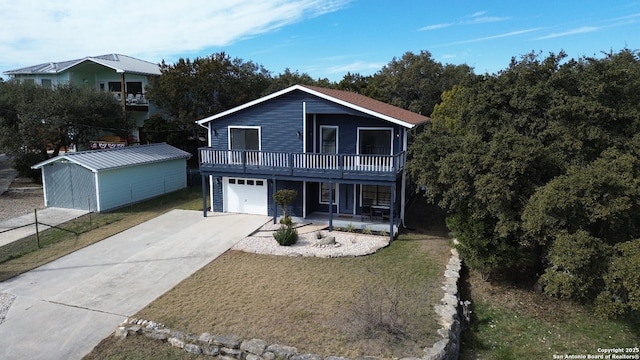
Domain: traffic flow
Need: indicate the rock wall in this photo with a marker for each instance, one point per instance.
(448, 311)
(232, 347)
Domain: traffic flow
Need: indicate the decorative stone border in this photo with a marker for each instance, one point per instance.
(449, 346)
(233, 347)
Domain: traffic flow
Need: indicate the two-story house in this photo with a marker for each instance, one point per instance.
(124, 76)
(344, 154)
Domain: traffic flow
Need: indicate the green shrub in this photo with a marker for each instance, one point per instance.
(286, 220)
(22, 163)
(286, 235)
(284, 198)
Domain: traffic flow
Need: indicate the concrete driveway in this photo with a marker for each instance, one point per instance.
(65, 308)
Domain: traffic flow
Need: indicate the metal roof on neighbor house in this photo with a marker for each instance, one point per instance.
(119, 63)
(97, 160)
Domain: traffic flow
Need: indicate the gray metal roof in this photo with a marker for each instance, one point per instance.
(117, 62)
(98, 160)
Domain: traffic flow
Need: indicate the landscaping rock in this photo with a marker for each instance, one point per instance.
(211, 350)
(282, 351)
(306, 357)
(193, 349)
(121, 332)
(228, 341)
(234, 353)
(206, 338)
(254, 346)
(327, 240)
(176, 342)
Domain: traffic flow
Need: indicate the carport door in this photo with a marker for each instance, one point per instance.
(83, 186)
(70, 186)
(57, 179)
(246, 196)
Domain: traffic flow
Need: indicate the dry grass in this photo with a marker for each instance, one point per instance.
(302, 302)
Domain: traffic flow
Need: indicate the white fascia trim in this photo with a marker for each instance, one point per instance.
(246, 105)
(308, 91)
(62, 157)
(358, 108)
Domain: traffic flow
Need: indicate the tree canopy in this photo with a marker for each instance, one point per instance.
(190, 90)
(540, 162)
(42, 121)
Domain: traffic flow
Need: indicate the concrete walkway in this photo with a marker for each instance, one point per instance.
(65, 308)
(24, 225)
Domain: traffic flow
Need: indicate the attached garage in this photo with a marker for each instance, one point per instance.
(247, 196)
(102, 180)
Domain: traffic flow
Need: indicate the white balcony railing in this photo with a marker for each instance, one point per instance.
(302, 161)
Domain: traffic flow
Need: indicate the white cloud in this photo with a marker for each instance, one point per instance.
(360, 67)
(32, 31)
(486, 19)
(435, 27)
(492, 37)
(580, 30)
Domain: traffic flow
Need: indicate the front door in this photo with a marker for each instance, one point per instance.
(346, 198)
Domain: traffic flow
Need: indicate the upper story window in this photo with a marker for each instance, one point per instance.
(244, 138)
(134, 87)
(372, 141)
(115, 86)
(329, 139)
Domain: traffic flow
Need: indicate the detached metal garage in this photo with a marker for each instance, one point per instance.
(102, 180)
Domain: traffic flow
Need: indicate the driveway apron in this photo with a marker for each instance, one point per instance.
(65, 308)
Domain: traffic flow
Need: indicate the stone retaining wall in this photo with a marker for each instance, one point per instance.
(231, 347)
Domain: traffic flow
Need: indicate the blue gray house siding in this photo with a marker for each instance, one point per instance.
(280, 120)
(123, 186)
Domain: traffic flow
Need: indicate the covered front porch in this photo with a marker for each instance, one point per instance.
(347, 222)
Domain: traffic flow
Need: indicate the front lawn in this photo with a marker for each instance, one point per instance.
(305, 302)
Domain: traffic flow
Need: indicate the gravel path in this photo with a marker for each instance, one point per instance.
(17, 204)
(347, 244)
(5, 303)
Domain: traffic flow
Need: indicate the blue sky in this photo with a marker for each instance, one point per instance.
(322, 38)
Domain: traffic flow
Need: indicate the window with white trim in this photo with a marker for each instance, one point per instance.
(372, 141)
(329, 139)
(244, 138)
(324, 194)
(376, 195)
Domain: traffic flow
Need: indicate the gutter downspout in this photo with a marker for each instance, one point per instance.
(304, 151)
(403, 190)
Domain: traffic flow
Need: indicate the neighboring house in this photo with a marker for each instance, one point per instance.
(343, 153)
(122, 75)
(101, 180)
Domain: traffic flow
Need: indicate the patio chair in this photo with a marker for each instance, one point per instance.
(366, 212)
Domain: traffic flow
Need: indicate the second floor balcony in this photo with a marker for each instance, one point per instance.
(301, 165)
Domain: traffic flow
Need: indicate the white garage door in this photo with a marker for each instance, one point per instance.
(246, 196)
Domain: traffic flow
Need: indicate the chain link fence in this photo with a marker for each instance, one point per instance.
(26, 233)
